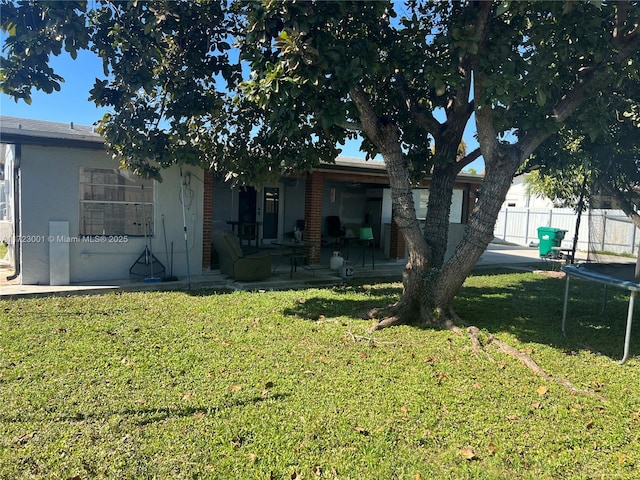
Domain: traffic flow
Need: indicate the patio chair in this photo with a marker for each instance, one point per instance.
(366, 239)
(237, 265)
(335, 228)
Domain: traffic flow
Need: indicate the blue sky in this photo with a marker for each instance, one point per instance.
(71, 103)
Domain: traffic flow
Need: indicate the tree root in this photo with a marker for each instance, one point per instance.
(396, 315)
(370, 340)
(526, 359)
(399, 313)
(386, 322)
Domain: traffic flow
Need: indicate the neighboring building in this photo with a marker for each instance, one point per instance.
(518, 196)
(70, 215)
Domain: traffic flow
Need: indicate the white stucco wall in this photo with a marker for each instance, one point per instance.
(49, 192)
(518, 197)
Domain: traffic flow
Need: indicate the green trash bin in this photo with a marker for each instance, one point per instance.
(549, 238)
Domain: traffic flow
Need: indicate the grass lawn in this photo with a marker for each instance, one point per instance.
(275, 385)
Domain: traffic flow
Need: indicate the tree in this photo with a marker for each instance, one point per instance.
(577, 168)
(323, 71)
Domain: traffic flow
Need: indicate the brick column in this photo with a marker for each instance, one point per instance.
(207, 219)
(313, 215)
(397, 245)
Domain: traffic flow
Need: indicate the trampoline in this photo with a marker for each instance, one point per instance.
(621, 275)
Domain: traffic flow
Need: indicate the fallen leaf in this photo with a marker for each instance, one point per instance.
(589, 425)
(226, 342)
(527, 351)
(236, 442)
(317, 471)
(140, 401)
(418, 476)
(309, 372)
(492, 448)
(404, 409)
(253, 457)
(468, 453)
(477, 385)
(22, 439)
(323, 358)
(361, 430)
(294, 475)
(235, 388)
(363, 355)
(186, 395)
(535, 405)
(430, 360)
(268, 385)
(62, 330)
(199, 415)
(541, 390)
(622, 458)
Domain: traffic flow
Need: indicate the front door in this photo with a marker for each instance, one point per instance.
(270, 216)
(247, 205)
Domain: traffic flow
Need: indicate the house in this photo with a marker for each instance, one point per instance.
(69, 214)
(519, 195)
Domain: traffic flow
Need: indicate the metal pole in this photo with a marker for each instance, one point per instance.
(564, 309)
(627, 335)
(184, 223)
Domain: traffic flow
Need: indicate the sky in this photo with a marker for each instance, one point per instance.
(71, 103)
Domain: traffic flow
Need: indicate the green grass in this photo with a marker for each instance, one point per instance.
(273, 385)
(3, 250)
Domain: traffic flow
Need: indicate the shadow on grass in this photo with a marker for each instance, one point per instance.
(378, 296)
(526, 306)
(530, 308)
(145, 416)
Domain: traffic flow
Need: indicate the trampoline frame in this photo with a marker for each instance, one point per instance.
(579, 271)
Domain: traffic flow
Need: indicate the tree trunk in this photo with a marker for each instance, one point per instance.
(436, 230)
(429, 290)
(410, 308)
(478, 233)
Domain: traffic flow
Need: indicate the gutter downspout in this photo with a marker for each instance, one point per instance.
(17, 221)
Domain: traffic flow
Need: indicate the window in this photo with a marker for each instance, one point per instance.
(115, 202)
(421, 202)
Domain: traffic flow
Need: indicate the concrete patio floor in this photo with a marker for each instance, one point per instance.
(304, 277)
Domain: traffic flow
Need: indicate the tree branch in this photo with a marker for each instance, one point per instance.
(487, 134)
(423, 118)
(625, 205)
(469, 157)
(370, 122)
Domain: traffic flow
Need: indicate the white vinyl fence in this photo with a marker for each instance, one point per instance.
(609, 230)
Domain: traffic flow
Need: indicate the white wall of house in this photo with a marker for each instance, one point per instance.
(7, 159)
(292, 201)
(421, 199)
(50, 192)
(518, 197)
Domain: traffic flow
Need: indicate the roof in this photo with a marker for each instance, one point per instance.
(40, 132)
(24, 130)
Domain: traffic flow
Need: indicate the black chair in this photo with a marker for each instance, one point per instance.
(335, 228)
